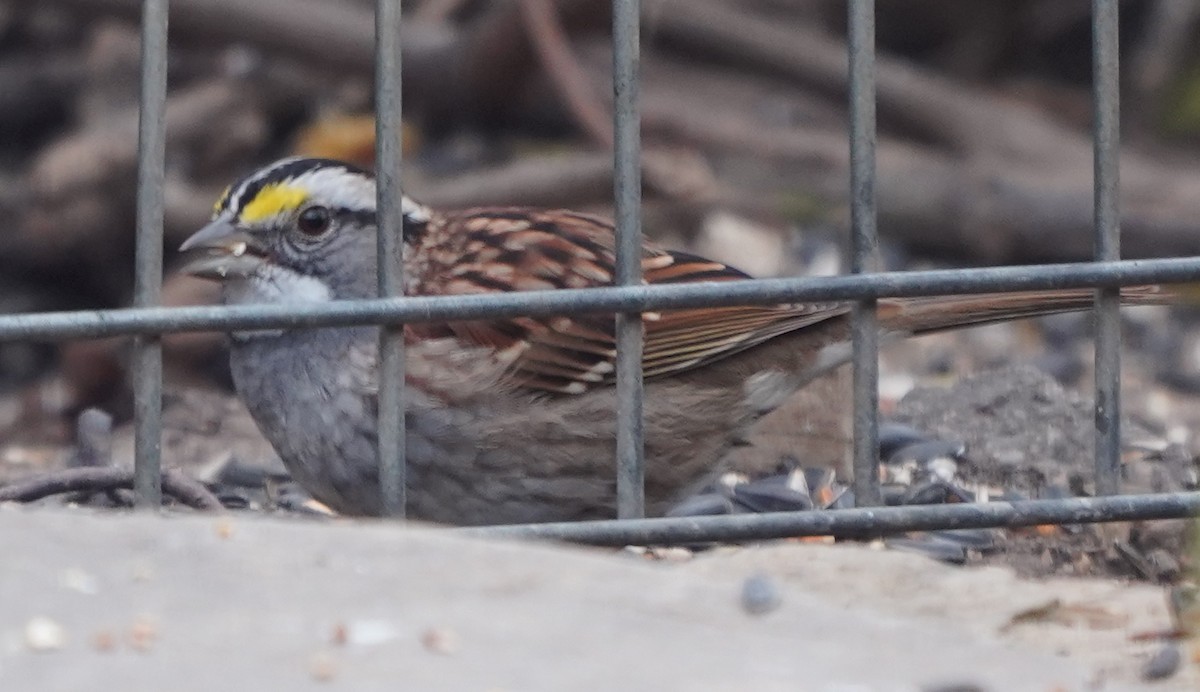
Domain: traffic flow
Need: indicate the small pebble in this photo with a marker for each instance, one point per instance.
(340, 634)
(1163, 664)
(224, 528)
(142, 571)
(44, 634)
(760, 594)
(369, 632)
(104, 641)
(94, 434)
(75, 579)
(440, 640)
(143, 633)
(323, 667)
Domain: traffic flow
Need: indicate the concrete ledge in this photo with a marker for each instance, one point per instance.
(203, 603)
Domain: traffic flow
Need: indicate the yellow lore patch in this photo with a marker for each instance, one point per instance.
(272, 200)
(222, 199)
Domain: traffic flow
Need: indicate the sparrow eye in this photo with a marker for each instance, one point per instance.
(314, 221)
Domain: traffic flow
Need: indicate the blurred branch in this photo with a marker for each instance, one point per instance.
(935, 109)
(338, 34)
(573, 179)
(679, 174)
(33, 87)
(959, 166)
(1005, 176)
(497, 59)
(451, 74)
(574, 88)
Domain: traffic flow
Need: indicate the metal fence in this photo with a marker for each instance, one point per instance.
(865, 285)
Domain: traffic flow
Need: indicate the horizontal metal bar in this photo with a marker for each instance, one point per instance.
(100, 323)
(862, 522)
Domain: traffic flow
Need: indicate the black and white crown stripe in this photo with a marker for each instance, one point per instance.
(340, 184)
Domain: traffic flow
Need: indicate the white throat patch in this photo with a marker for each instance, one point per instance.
(278, 286)
(274, 285)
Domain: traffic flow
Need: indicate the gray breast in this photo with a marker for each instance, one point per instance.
(298, 391)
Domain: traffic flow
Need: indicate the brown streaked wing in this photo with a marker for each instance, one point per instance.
(570, 354)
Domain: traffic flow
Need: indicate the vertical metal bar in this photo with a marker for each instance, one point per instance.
(864, 250)
(1107, 137)
(147, 348)
(627, 191)
(388, 154)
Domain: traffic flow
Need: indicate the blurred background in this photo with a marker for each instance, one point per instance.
(984, 150)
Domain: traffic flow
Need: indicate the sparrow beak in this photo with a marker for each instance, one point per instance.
(227, 252)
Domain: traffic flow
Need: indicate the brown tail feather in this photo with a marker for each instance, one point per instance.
(921, 315)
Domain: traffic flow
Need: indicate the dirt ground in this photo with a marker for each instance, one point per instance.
(134, 601)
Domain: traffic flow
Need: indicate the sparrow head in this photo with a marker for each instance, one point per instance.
(297, 230)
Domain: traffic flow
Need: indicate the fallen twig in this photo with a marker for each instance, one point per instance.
(177, 485)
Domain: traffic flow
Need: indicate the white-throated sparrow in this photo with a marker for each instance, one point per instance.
(509, 420)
